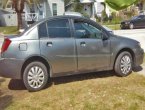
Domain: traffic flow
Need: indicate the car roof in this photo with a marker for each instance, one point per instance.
(65, 16)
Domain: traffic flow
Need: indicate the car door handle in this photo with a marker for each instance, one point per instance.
(49, 44)
(83, 44)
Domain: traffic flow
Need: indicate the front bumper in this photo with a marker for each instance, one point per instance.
(10, 68)
(124, 26)
(139, 57)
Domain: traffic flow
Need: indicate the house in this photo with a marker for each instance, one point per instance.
(34, 12)
(7, 15)
(141, 6)
(46, 9)
(90, 7)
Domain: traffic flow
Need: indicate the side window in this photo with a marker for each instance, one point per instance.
(43, 30)
(85, 30)
(59, 28)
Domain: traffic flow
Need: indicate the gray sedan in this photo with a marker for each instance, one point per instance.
(66, 45)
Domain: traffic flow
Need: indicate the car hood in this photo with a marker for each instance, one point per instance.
(125, 39)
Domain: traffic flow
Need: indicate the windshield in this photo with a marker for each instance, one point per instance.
(135, 17)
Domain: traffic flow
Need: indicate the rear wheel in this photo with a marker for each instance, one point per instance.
(123, 64)
(35, 76)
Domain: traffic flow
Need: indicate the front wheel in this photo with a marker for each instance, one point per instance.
(131, 26)
(35, 76)
(123, 64)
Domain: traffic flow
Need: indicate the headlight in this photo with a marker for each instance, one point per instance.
(139, 45)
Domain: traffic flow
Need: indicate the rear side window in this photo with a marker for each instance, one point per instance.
(59, 28)
(43, 30)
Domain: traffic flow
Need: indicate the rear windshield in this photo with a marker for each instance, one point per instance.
(28, 28)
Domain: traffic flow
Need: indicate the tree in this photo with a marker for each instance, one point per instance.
(120, 4)
(19, 7)
(77, 6)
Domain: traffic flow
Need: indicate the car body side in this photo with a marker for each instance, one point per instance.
(26, 48)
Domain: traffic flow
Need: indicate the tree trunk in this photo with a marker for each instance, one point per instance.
(19, 6)
(19, 17)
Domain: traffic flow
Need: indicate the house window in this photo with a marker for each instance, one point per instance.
(54, 7)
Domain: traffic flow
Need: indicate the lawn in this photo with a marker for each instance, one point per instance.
(114, 27)
(9, 30)
(96, 91)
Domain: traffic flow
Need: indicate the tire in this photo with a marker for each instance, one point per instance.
(131, 26)
(35, 76)
(123, 64)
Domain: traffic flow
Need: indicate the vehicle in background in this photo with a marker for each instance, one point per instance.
(66, 45)
(134, 22)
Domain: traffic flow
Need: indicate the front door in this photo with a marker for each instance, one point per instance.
(58, 46)
(93, 53)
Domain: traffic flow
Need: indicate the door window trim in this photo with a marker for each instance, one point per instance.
(48, 37)
(89, 22)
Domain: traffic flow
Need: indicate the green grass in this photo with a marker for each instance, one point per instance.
(96, 91)
(9, 30)
(114, 27)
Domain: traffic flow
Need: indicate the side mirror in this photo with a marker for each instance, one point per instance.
(104, 37)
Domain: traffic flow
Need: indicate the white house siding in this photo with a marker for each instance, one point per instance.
(99, 8)
(60, 7)
(95, 7)
(8, 20)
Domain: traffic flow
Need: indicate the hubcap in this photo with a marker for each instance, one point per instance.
(35, 77)
(125, 64)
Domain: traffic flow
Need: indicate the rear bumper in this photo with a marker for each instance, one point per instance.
(139, 56)
(10, 68)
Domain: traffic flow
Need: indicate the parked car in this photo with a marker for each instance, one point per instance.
(134, 22)
(66, 45)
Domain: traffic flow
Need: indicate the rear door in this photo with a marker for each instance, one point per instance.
(58, 46)
(93, 53)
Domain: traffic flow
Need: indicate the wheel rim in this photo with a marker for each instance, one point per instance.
(35, 77)
(126, 64)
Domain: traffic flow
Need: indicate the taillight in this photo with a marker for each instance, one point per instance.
(5, 45)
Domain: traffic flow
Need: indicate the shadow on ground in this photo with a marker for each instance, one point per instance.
(5, 100)
(81, 77)
(138, 69)
(15, 84)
